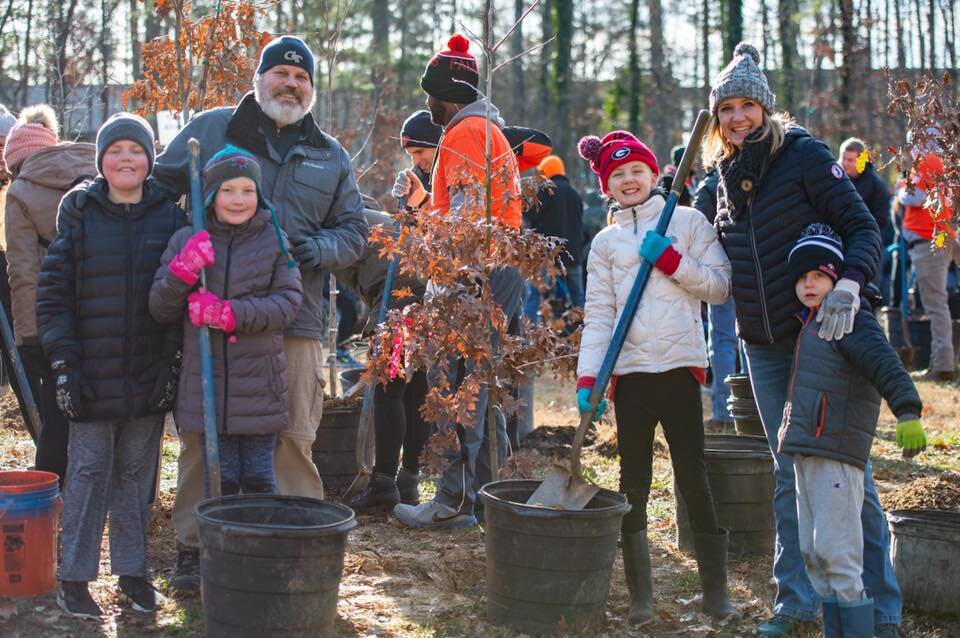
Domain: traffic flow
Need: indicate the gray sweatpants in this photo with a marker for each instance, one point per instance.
(931, 269)
(111, 467)
(829, 502)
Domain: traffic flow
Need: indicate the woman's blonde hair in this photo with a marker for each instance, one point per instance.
(717, 148)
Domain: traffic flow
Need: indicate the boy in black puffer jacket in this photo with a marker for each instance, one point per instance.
(116, 368)
(829, 422)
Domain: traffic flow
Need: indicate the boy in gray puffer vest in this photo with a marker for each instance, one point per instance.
(829, 421)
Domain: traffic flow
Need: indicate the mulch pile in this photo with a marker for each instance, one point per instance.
(940, 492)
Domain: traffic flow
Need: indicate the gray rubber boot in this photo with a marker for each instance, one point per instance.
(636, 566)
(711, 551)
(381, 493)
(409, 485)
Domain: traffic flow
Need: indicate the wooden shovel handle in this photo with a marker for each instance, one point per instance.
(586, 418)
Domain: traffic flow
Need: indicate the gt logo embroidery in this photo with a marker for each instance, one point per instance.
(313, 165)
(293, 56)
(620, 153)
(836, 171)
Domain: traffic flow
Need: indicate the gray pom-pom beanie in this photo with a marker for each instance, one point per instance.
(742, 77)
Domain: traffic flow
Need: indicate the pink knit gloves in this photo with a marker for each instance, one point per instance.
(196, 255)
(207, 309)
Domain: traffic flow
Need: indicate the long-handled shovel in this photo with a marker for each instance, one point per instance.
(566, 487)
(31, 417)
(206, 356)
(366, 409)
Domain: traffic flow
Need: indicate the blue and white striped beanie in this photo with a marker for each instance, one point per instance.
(819, 248)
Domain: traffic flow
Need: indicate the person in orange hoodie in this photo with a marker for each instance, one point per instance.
(921, 225)
(450, 81)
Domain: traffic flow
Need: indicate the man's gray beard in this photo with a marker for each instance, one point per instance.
(281, 114)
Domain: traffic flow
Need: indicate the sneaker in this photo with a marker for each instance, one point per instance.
(143, 597)
(780, 626)
(886, 630)
(185, 576)
(381, 493)
(408, 483)
(433, 515)
(937, 376)
(74, 597)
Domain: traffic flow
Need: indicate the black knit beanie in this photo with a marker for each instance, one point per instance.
(819, 248)
(419, 131)
(452, 75)
(287, 49)
(125, 126)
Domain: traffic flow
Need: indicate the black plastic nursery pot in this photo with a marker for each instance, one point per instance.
(740, 471)
(271, 565)
(335, 448)
(925, 550)
(548, 568)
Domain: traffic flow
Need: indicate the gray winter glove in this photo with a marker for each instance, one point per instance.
(306, 250)
(838, 310)
(409, 185)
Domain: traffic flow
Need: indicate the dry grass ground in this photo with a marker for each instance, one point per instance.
(430, 584)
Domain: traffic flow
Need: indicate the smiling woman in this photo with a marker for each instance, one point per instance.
(775, 180)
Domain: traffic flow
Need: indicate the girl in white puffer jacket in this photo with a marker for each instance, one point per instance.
(661, 365)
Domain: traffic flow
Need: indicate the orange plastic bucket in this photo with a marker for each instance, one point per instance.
(29, 517)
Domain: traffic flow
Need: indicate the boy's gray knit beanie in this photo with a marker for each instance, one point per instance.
(742, 77)
(125, 126)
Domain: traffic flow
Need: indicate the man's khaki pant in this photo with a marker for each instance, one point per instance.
(296, 473)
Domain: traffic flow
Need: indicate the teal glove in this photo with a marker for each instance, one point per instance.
(910, 437)
(653, 246)
(583, 403)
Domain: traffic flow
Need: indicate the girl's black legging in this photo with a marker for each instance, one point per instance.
(397, 422)
(672, 399)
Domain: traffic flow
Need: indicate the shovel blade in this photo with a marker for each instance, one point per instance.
(562, 491)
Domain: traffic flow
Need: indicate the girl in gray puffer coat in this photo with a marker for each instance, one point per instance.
(253, 292)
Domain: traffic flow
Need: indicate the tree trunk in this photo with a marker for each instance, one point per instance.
(27, 50)
(789, 56)
(765, 29)
(661, 80)
(546, 56)
(901, 46)
(516, 71)
(931, 25)
(921, 40)
(135, 44)
(848, 70)
(731, 16)
(561, 74)
(63, 25)
(633, 70)
(705, 47)
(106, 55)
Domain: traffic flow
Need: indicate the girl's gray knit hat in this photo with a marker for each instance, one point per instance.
(742, 77)
(7, 120)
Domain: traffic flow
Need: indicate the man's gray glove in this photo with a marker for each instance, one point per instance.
(838, 310)
(306, 250)
(409, 185)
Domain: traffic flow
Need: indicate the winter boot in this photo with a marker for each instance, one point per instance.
(381, 493)
(409, 485)
(636, 567)
(185, 577)
(831, 619)
(711, 552)
(856, 618)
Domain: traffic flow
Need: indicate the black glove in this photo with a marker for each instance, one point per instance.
(167, 375)
(306, 251)
(72, 390)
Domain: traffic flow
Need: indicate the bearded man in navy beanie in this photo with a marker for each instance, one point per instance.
(308, 177)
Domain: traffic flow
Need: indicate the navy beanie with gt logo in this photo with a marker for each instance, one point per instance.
(287, 49)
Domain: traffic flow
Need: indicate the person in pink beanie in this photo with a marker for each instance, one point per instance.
(660, 368)
(35, 130)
